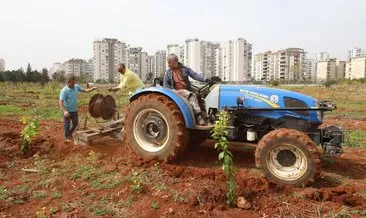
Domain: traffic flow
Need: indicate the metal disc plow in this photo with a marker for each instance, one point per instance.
(100, 107)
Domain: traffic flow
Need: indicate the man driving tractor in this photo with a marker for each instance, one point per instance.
(176, 78)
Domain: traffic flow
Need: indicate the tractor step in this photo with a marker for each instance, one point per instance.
(205, 127)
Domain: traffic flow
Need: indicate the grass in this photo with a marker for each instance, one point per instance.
(31, 99)
(137, 188)
(179, 198)
(87, 173)
(11, 194)
(344, 213)
(101, 208)
(56, 195)
(66, 207)
(110, 181)
(338, 178)
(355, 138)
(39, 194)
(8, 110)
(26, 179)
(138, 181)
(160, 188)
(3, 193)
(359, 212)
(101, 211)
(349, 99)
(155, 205)
(363, 193)
(54, 210)
(128, 202)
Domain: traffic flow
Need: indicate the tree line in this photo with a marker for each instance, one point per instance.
(25, 76)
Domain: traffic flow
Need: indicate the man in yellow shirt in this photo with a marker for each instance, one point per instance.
(129, 80)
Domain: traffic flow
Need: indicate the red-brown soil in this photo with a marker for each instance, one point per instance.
(195, 183)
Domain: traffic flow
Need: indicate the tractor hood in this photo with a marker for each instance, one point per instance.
(223, 96)
(257, 96)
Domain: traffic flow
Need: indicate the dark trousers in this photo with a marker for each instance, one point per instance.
(70, 123)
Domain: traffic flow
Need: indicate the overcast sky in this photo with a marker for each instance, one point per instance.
(45, 31)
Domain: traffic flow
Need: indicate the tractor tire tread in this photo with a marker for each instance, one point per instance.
(302, 139)
(174, 119)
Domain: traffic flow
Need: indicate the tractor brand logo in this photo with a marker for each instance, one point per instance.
(274, 99)
(254, 93)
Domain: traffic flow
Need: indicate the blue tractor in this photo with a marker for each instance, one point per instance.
(282, 125)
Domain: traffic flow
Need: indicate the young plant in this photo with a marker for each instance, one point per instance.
(155, 205)
(31, 128)
(220, 133)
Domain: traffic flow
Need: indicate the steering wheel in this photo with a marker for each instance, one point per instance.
(213, 81)
(206, 86)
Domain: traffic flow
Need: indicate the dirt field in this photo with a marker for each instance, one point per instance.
(106, 179)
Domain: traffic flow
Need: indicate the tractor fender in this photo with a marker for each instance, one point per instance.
(183, 104)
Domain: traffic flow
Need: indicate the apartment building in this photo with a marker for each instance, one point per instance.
(160, 64)
(287, 64)
(331, 69)
(177, 50)
(192, 54)
(322, 56)
(354, 52)
(107, 54)
(150, 67)
(75, 66)
(357, 67)
(310, 69)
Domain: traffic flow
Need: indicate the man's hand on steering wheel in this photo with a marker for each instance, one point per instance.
(213, 80)
(208, 81)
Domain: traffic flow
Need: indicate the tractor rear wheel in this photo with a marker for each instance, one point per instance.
(289, 157)
(155, 128)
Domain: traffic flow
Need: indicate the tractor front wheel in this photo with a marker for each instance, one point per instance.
(154, 128)
(289, 157)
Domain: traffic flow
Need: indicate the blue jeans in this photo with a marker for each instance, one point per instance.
(70, 123)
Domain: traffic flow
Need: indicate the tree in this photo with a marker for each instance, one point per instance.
(44, 77)
(274, 82)
(8, 76)
(32, 75)
(150, 77)
(59, 76)
(29, 73)
(36, 76)
(19, 76)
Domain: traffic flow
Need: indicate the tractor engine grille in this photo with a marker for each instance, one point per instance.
(249, 119)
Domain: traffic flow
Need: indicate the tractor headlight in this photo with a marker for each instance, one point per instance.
(319, 113)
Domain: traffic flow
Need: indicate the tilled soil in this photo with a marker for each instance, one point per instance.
(193, 186)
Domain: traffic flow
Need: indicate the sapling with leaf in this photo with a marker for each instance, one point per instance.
(220, 133)
(30, 130)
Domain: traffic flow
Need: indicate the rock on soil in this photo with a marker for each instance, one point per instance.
(243, 203)
(110, 168)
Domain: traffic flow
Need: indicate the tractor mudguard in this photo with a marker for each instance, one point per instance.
(183, 104)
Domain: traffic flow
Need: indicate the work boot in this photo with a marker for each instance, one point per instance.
(201, 121)
(68, 139)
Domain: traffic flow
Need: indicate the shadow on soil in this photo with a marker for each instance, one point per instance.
(205, 156)
(345, 167)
